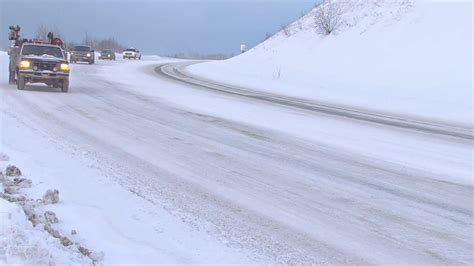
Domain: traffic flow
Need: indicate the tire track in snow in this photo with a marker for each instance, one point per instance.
(177, 72)
(301, 188)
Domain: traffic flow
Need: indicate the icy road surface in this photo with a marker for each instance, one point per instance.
(154, 170)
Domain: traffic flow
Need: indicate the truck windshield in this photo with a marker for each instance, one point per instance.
(82, 48)
(40, 50)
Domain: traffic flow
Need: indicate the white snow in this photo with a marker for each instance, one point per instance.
(405, 57)
(107, 217)
(448, 163)
(22, 244)
(153, 171)
(150, 170)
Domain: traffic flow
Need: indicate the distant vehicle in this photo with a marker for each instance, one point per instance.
(131, 53)
(41, 63)
(82, 53)
(107, 55)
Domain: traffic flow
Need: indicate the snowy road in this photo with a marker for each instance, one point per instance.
(232, 179)
(179, 72)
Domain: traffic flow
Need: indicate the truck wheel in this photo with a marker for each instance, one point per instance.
(65, 85)
(20, 84)
(11, 77)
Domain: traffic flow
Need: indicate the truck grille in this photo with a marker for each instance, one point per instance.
(44, 65)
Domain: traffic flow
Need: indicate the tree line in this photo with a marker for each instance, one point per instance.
(96, 43)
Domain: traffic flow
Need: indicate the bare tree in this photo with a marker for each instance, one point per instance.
(88, 40)
(268, 35)
(286, 30)
(328, 17)
(57, 33)
(108, 43)
(41, 32)
(300, 25)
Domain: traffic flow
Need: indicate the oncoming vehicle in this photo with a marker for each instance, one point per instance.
(131, 53)
(42, 63)
(82, 53)
(107, 55)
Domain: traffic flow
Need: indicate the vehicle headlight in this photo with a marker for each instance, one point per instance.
(108, 55)
(72, 53)
(64, 67)
(25, 64)
(88, 54)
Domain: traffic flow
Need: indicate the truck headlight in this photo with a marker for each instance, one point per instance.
(88, 54)
(64, 67)
(25, 64)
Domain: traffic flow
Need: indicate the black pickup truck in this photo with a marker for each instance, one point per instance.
(39, 63)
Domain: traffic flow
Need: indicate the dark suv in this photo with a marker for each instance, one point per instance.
(107, 55)
(82, 53)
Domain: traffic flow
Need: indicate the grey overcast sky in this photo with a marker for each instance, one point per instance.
(156, 27)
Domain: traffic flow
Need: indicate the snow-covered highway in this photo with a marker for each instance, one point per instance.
(179, 72)
(152, 169)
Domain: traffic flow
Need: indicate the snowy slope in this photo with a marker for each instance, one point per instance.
(406, 57)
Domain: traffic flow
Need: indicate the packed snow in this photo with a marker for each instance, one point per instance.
(141, 169)
(405, 57)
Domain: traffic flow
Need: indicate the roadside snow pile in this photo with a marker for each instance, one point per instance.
(26, 232)
(23, 244)
(405, 57)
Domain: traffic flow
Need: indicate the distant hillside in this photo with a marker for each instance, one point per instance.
(406, 57)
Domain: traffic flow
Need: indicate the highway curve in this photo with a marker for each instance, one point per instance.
(178, 71)
(330, 186)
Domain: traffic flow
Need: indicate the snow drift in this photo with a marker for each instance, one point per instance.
(405, 57)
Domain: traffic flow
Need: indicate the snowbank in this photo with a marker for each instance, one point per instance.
(23, 244)
(405, 57)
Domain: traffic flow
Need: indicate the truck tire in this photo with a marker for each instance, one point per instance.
(20, 84)
(11, 77)
(65, 85)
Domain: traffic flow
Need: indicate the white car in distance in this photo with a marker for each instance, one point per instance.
(132, 53)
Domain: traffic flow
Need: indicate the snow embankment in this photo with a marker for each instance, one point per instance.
(27, 236)
(406, 57)
(23, 244)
